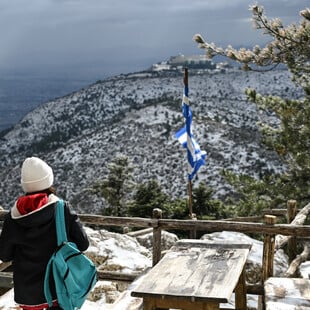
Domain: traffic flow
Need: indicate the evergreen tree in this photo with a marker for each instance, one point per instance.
(255, 195)
(204, 206)
(116, 187)
(291, 140)
(177, 209)
(147, 197)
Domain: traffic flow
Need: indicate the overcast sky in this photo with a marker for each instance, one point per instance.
(105, 37)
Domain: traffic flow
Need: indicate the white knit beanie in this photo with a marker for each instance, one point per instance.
(36, 175)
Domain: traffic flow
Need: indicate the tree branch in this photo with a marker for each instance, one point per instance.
(291, 271)
(299, 220)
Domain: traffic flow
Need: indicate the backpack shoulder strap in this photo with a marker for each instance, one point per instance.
(47, 289)
(61, 238)
(60, 223)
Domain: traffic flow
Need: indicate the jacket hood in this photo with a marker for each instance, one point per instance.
(34, 210)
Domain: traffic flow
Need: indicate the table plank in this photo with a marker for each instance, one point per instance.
(171, 303)
(211, 244)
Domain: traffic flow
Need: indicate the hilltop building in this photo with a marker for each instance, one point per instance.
(193, 61)
(199, 62)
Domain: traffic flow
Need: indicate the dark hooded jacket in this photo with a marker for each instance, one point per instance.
(28, 239)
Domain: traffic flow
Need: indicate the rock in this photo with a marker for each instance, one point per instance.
(104, 292)
(167, 240)
(116, 252)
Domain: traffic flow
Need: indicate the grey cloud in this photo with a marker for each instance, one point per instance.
(95, 32)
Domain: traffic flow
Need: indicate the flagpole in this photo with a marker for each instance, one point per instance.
(190, 200)
(190, 189)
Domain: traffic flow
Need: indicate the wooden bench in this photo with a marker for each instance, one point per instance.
(287, 293)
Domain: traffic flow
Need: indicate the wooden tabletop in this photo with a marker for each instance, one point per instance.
(197, 270)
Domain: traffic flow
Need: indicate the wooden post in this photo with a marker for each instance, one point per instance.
(240, 292)
(292, 242)
(157, 214)
(268, 255)
(193, 232)
(190, 187)
(268, 251)
(190, 199)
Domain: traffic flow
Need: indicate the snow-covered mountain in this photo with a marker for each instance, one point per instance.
(137, 115)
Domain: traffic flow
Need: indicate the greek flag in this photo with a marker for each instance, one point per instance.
(195, 156)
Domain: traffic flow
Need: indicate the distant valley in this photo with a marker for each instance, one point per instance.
(21, 93)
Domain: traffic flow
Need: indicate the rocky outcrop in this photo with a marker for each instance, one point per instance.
(117, 252)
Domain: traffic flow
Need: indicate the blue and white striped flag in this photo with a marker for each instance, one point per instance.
(195, 156)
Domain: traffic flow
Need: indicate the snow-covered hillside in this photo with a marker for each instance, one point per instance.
(137, 115)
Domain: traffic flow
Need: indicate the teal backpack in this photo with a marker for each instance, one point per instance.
(73, 272)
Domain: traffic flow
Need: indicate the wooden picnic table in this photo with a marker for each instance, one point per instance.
(196, 275)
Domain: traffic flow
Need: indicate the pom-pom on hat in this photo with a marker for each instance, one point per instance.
(36, 175)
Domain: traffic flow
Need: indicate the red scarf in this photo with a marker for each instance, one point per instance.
(29, 203)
